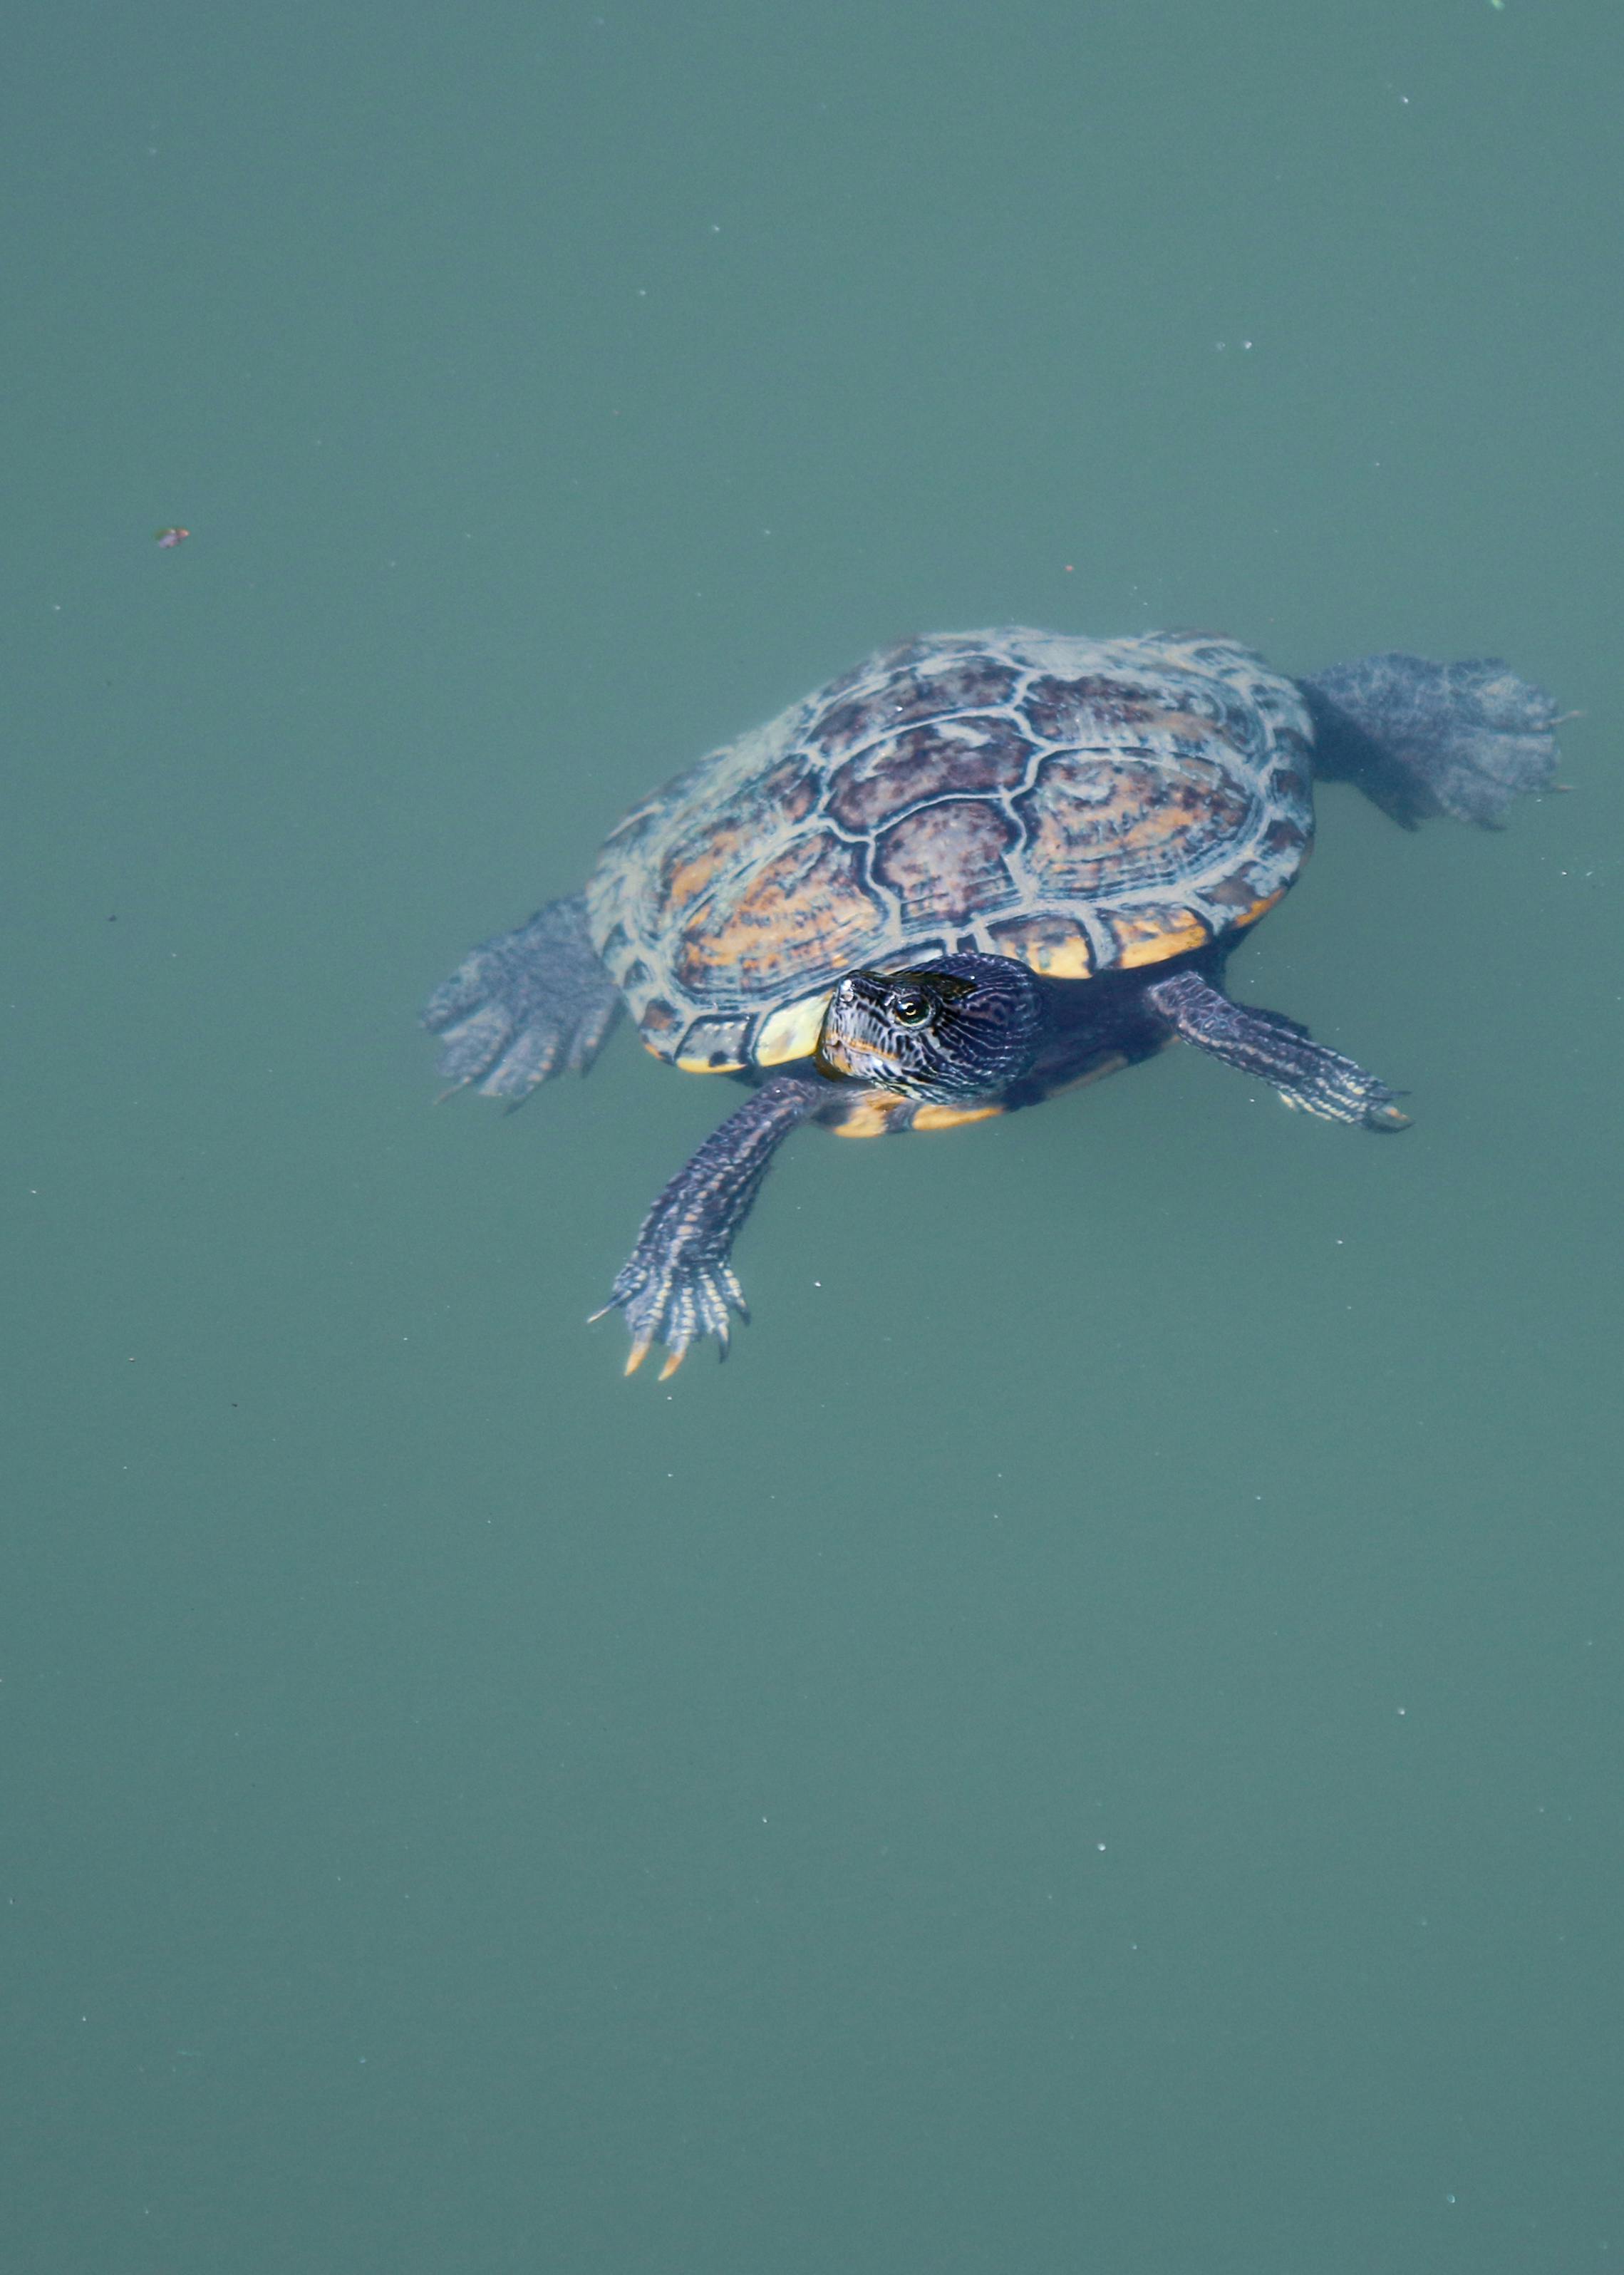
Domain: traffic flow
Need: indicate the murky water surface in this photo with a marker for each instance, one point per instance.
(1093, 1743)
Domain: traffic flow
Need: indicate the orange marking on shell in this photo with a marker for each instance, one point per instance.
(1098, 824)
(950, 1117)
(1154, 937)
(1054, 946)
(718, 845)
(803, 912)
(694, 867)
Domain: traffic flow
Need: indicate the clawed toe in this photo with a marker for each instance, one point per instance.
(526, 1005)
(1345, 1092)
(1420, 739)
(678, 1284)
(677, 1303)
(1310, 1078)
(483, 1051)
(1500, 743)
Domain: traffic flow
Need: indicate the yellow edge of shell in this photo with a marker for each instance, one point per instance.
(792, 1033)
(1070, 959)
(1177, 940)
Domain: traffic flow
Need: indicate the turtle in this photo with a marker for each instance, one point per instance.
(980, 868)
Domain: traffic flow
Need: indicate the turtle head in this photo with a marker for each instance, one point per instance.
(960, 1027)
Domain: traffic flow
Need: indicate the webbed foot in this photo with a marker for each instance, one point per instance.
(1424, 739)
(528, 1004)
(678, 1284)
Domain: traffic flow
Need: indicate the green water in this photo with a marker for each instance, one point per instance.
(1093, 1743)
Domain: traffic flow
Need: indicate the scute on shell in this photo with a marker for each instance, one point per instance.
(1079, 803)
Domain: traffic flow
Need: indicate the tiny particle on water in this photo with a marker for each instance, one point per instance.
(169, 539)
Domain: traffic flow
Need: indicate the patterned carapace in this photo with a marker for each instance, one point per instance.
(1077, 804)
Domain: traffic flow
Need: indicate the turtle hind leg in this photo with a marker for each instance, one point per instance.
(1308, 1076)
(1420, 739)
(527, 1004)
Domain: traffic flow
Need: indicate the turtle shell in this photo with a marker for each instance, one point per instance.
(1080, 804)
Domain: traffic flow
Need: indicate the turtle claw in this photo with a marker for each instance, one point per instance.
(1340, 1090)
(678, 1284)
(1309, 1077)
(673, 1298)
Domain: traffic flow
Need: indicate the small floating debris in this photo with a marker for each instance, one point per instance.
(169, 539)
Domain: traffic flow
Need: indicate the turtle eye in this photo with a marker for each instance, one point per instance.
(910, 1007)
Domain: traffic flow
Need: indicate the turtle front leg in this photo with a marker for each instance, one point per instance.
(678, 1283)
(1309, 1077)
(1420, 739)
